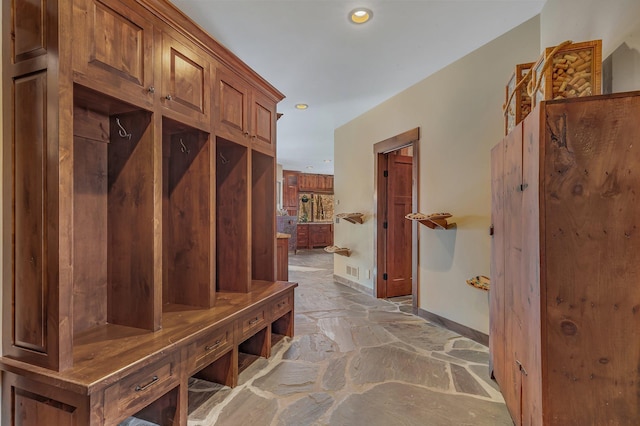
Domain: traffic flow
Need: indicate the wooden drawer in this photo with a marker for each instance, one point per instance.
(139, 389)
(251, 323)
(209, 347)
(281, 306)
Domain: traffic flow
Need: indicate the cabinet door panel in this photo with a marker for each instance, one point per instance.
(29, 28)
(263, 122)
(30, 251)
(514, 350)
(185, 81)
(232, 103)
(117, 46)
(496, 295)
(531, 290)
(591, 209)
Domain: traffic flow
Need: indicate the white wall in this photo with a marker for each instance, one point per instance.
(458, 110)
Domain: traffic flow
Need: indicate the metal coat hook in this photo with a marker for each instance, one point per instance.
(122, 131)
(224, 160)
(184, 148)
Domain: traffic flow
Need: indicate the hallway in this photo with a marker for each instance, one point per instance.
(355, 360)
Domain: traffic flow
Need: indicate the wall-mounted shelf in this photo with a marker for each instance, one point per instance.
(338, 250)
(351, 217)
(480, 282)
(433, 220)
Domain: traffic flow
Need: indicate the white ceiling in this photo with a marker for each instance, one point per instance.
(314, 55)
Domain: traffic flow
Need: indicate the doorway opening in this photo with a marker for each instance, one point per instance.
(396, 238)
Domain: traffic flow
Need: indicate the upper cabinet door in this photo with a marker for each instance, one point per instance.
(115, 46)
(232, 100)
(263, 122)
(185, 82)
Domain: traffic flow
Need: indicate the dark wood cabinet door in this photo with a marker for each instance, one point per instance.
(320, 235)
(302, 232)
(290, 192)
(185, 81)
(232, 100)
(263, 122)
(307, 182)
(116, 45)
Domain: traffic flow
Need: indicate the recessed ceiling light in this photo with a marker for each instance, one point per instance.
(309, 167)
(302, 106)
(327, 161)
(360, 15)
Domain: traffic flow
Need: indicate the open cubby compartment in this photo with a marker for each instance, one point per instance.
(263, 217)
(161, 412)
(188, 216)
(233, 204)
(256, 346)
(281, 328)
(222, 370)
(114, 240)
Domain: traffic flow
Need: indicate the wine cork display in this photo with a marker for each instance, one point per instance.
(570, 71)
(518, 103)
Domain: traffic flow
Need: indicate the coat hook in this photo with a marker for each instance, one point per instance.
(122, 131)
(224, 160)
(184, 148)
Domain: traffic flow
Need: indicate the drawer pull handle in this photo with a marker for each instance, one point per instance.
(215, 345)
(253, 321)
(139, 388)
(281, 304)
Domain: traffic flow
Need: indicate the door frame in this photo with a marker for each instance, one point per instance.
(409, 138)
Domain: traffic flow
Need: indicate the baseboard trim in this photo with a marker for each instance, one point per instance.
(463, 330)
(354, 285)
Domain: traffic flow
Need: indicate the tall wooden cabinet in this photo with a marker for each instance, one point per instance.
(565, 307)
(139, 226)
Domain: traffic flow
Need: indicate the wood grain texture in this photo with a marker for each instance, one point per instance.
(232, 105)
(188, 218)
(233, 204)
(186, 85)
(496, 294)
(530, 290)
(399, 230)
(591, 207)
(114, 50)
(131, 289)
(263, 121)
(29, 29)
(511, 387)
(570, 308)
(30, 214)
(263, 217)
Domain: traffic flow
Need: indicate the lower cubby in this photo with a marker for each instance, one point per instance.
(281, 328)
(164, 411)
(256, 346)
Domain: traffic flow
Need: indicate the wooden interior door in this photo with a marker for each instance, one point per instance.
(398, 229)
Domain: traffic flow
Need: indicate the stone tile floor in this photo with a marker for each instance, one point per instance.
(355, 360)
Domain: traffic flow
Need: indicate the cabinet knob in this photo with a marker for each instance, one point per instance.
(246, 134)
(151, 89)
(168, 97)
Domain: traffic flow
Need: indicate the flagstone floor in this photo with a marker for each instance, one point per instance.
(355, 360)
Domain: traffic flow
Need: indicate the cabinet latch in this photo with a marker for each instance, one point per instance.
(522, 187)
(491, 230)
(522, 369)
